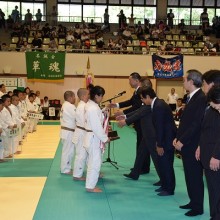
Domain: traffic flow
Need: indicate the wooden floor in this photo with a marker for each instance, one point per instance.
(20, 195)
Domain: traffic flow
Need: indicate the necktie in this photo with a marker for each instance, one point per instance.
(187, 99)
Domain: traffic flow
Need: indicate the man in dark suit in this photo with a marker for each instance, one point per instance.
(134, 103)
(187, 141)
(165, 129)
(148, 142)
(209, 149)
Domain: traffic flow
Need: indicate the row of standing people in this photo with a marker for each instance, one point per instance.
(83, 135)
(199, 126)
(15, 122)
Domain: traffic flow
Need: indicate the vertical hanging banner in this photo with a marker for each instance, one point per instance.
(167, 67)
(45, 66)
(89, 76)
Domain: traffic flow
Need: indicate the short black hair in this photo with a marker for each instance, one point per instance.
(1, 102)
(212, 76)
(214, 94)
(144, 91)
(96, 90)
(135, 75)
(5, 97)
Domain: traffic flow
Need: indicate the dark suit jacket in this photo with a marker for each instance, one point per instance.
(190, 124)
(144, 114)
(210, 137)
(134, 102)
(164, 124)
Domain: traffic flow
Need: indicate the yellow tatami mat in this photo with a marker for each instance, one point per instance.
(19, 197)
(40, 144)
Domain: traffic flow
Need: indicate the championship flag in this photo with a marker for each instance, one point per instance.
(45, 66)
(89, 76)
(167, 67)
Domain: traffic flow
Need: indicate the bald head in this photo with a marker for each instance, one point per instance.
(83, 94)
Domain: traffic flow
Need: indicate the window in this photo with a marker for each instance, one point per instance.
(95, 12)
(115, 10)
(181, 13)
(69, 13)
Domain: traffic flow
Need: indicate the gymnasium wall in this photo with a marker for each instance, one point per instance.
(111, 71)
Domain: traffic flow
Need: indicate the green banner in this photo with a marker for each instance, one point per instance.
(45, 66)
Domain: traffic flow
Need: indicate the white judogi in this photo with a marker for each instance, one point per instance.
(37, 100)
(81, 154)
(93, 140)
(67, 121)
(7, 120)
(16, 115)
(23, 108)
(1, 141)
(32, 107)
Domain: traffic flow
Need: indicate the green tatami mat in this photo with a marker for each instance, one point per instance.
(49, 122)
(25, 168)
(122, 199)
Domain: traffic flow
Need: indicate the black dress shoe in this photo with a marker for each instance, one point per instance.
(157, 183)
(159, 189)
(165, 193)
(144, 172)
(187, 206)
(130, 176)
(193, 213)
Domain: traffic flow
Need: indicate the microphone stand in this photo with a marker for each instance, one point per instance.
(108, 159)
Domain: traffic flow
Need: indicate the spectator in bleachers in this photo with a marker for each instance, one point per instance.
(53, 44)
(25, 32)
(155, 33)
(16, 30)
(111, 44)
(131, 23)
(77, 31)
(15, 14)
(170, 17)
(121, 20)
(84, 37)
(217, 46)
(169, 46)
(204, 19)
(139, 31)
(61, 31)
(126, 34)
(9, 22)
(92, 26)
(4, 47)
(20, 43)
(77, 44)
(215, 21)
(25, 47)
(46, 31)
(28, 18)
(53, 32)
(2, 19)
(69, 38)
(100, 41)
(106, 21)
(38, 16)
(181, 25)
(36, 42)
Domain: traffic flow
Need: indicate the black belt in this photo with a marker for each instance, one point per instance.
(88, 130)
(67, 129)
(82, 128)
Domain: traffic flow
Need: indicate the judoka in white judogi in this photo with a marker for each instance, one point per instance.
(94, 138)
(68, 124)
(80, 154)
